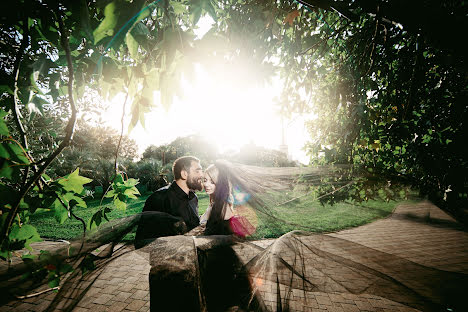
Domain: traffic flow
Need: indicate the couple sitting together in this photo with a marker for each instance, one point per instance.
(180, 202)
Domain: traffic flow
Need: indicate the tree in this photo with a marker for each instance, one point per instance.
(93, 150)
(388, 85)
(251, 154)
(190, 145)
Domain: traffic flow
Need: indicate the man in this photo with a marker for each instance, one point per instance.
(177, 199)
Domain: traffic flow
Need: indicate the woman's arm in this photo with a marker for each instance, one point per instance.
(204, 217)
(229, 211)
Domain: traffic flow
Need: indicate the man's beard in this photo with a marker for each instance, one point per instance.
(194, 184)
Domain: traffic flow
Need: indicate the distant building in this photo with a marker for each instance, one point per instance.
(283, 146)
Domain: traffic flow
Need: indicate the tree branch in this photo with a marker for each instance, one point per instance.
(339, 30)
(66, 141)
(121, 132)
(430, 18)
(373, 46)
(330, 5)
(16, 111)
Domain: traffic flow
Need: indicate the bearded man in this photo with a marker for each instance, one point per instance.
(177, 199)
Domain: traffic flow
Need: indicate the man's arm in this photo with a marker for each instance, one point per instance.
(155, 203)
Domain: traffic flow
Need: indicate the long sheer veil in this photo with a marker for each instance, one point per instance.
(284, 274)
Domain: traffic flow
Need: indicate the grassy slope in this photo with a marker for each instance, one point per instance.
(305, 211)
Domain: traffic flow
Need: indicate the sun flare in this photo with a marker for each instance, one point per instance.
(220, 111)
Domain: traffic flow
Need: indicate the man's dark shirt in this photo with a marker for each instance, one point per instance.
(173, 200)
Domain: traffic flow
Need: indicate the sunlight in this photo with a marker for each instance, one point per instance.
(218, 109)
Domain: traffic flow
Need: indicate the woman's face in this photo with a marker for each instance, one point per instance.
(208, 184)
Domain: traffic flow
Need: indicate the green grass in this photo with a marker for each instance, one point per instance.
(310, 215)
(48, 227)
(306, 212)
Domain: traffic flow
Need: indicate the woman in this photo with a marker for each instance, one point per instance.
(220, 217)
(220, 209)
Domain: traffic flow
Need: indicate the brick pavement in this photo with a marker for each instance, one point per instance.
(421, 233)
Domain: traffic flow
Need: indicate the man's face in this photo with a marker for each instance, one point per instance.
(195, 177)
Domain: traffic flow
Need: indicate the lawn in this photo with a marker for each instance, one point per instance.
(304, 213)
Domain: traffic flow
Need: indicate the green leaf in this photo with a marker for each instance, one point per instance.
(130, 193)
(179, 7)
(16, 152)
(3, 152)
(26, 233)
(46, 177)
(131, 182)
(41, 66)
(4, 254)
(119, 204)
(106, 27)
(95, 220)
(110, 194)
(196, 14)
(3, 127)
(146, 11)
(118, 179)
(85, 21)
(36, 106)
(140, 30)
(79, 201)
(54, 282)
(65, 268)
(28, 257)
(33, 78)
(3, 89)
(6, 171)
(132, 45)
(74, 182)
(135, 116)
(60, 212)
(210, 9)
(104, 213)
(152, 80)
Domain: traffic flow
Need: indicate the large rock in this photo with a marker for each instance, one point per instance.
(174, 277)
(198, 274)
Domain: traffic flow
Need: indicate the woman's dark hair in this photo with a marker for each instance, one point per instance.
(216, 223)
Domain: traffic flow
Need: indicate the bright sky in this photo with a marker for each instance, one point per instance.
(224, 116)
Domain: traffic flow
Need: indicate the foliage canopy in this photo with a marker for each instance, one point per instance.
(387, 80)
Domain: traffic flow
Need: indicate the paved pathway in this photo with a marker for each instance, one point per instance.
(421, 233)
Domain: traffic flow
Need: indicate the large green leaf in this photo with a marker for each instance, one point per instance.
(85, 20)
(3, 152)
(5, 89)
(106, 27)
(42, 66)
(74, 182)
(60, 212)
(36, 106)
(179, 7)
(131, 192)
(16, 152)
(6, 170)
(26, 233)
(142, 35)
(3, 127)
(208, 6)
(132, 45)
(73, 198)
(195, 11)
(146, 11)
(119, 204)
